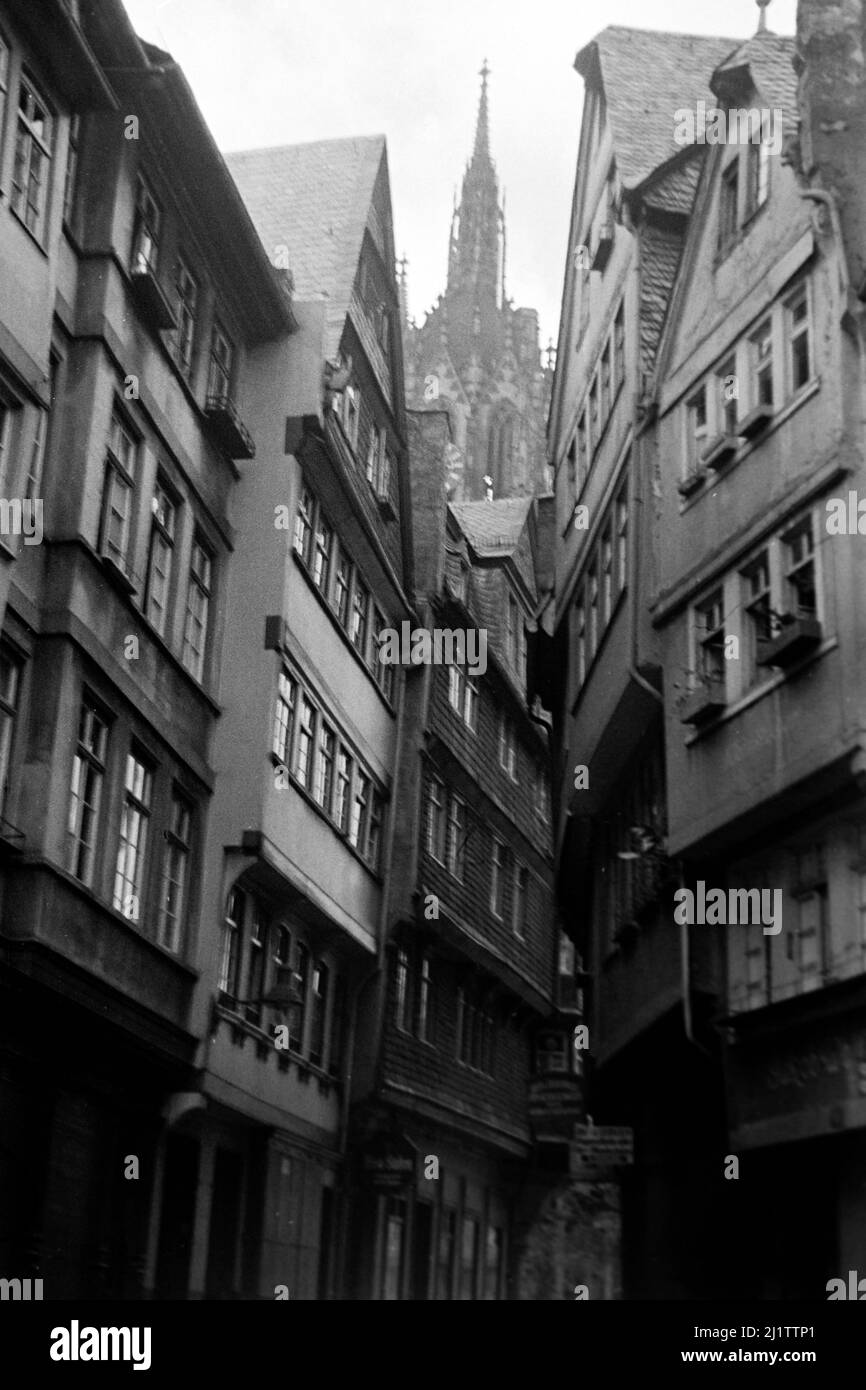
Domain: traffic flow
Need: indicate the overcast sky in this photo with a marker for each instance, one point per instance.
(275, 72)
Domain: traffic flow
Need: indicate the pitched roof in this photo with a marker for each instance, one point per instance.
(314, 199)
(647, 75)
(492, 527)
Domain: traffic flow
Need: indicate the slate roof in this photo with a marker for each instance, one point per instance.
(769, 58)
(492, 527)
(647, 76)
(315, 200)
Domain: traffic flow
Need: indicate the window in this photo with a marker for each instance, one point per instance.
(304, 525)
(463, 695)
(592, 614)
(520, 899)
(622, 538)
(424, 1014)
(352, 413)
(797, 328)
(33, 146)
(197, 607)
(513, 620)
(297, 1017)
(222, 353)
(375, 450)
(593, 411)
(322, 561)
(542, 794)
(284, 719)
(497, 879)
(306, 738)
(162, 528)
(134, 821)
(145, 237)
(323, 787)
(436, 820)
(606, 575)
(37, 450)
(710, 638)
(175, 869)
(71, 162)
(726, 377)
(580, 644)
(88, 772)
(382, 670)
(762, 363)
(755, 579)
(342, 583)
(232, 939)
(507, 747)
(10, 677)
(374, 833)
(120, 474)
(402, 991)
(187, 297)
(318, 1012)
(619, 347)
(696, 428)
(758, 175)
(798, 551)
(729, 211)
(256, 960)
(811, 938)
(456, 838)
(360, 811)
(360, 607)
(582, 451)
(468, 1258)
(344, 790)
(606, 399)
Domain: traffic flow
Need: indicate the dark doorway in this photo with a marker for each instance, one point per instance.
(225, 1215)
(180, 1176)
(422, 1234)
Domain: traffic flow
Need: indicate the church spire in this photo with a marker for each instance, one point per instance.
(481, 151)
(475, 253)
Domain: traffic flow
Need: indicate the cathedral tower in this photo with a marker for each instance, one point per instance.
(476, 355)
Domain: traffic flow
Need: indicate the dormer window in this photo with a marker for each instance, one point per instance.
(758, 176)
(729, 208)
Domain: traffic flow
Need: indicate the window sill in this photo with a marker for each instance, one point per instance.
(712, 481)
(758, 692)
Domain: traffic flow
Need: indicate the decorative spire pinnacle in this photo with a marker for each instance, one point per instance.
(762, 22)
(482, 130)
